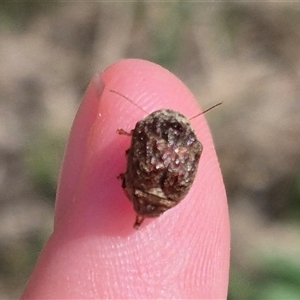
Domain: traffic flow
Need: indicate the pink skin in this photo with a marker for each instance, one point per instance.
(94, 252)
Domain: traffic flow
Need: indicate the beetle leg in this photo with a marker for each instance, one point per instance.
(138, 221)
(123, 132)
(121, 176)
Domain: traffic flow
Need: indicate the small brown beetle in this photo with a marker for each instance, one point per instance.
(162, 162)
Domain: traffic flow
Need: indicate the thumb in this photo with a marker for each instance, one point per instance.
(94, 252)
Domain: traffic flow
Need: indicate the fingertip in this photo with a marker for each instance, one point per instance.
(182, 254)
(203, 215)
(75, 152)
(150, 86)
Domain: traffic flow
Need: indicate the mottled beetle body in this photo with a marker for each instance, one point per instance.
(162, 163)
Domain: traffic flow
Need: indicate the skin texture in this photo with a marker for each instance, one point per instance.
(94, 252)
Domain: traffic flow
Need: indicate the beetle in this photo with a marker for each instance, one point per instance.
(162, 162)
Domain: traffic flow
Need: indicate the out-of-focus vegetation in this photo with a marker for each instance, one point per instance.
(17, 16)
(42, 162)
(244, 54)
(277, 278)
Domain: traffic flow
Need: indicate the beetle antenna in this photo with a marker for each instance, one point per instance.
(129, 101)
(205, 111)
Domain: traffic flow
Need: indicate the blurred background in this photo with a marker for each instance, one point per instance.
(244, 54)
